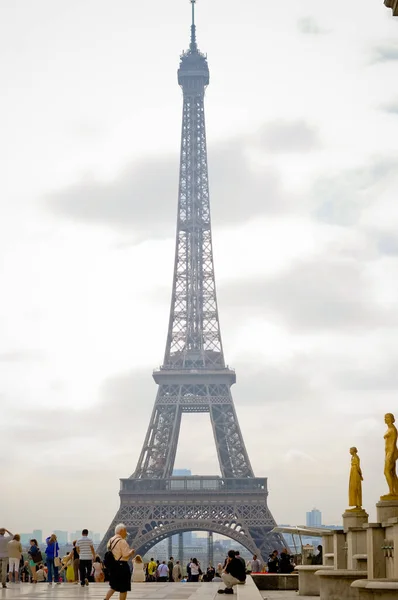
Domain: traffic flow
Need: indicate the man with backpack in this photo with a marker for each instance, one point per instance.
(116, 561)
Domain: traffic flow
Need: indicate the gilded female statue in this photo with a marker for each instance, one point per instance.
(390, 470)
(355, 485)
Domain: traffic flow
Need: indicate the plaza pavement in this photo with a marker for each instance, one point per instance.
(139, 591)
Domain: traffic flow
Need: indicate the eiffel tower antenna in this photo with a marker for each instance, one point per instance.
(194, 378)
(193, 27)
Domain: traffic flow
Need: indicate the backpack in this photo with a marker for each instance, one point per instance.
(109, 559)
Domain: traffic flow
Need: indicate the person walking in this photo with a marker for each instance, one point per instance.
(120, 577)
(52, 559)
(177, 572)
(14, 557)
(85, 549)
(138, 570)
(35, 558)
(70, 571)
(163, 572)
(98, 570)
(195, 570)
(170, 566)
(4, 539)
(189, 570)
(152, 566)
(255, 565)
(76, 563)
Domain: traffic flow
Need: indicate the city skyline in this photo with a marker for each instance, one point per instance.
(302, 121)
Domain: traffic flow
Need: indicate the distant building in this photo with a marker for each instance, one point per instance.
(182, 473)
(314, 518)
(25, 537)
(38, 535)
(62, 537)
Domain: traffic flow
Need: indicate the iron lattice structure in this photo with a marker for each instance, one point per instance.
(194, 377)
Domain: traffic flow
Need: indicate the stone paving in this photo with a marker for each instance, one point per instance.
(97, 591)
(139, 591)
(283, 595)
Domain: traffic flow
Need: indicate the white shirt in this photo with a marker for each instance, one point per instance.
(194, 569)
(163, 570)
(84, 545)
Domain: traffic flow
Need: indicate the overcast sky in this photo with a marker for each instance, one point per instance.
(302, 122)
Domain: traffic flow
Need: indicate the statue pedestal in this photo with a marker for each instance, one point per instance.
(387, 509)
(375, 550)
(309, 584)
(354, 518)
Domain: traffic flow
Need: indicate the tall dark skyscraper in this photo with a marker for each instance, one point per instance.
(194, 377)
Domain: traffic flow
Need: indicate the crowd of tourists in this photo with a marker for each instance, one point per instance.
(280, 563)
(82, 565)
(78, 566)
(284, 562)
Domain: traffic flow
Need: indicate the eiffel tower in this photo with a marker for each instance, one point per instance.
(154, 505)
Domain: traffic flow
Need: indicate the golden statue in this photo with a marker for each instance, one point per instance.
(390, 469)
(355, 485)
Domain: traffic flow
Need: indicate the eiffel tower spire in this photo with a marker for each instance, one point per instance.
(193, 45)
(194, 337)
(193, 377)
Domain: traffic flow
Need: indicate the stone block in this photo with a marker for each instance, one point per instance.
(386, 509)
(376, 589)
(276, 581)
(249, 591)
(339, 550)
(356, 549)
(336, 584)
(374, 542)
(309, 584)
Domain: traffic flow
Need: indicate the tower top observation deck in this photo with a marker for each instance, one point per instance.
(193, 74)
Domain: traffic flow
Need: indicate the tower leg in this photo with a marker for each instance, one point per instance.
(181, 550)
(210, 558)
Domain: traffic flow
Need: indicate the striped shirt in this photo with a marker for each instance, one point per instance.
(84, 545)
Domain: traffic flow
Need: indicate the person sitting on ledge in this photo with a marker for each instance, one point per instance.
(234, 573)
